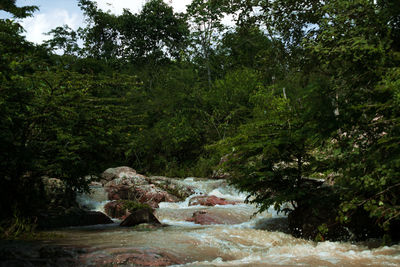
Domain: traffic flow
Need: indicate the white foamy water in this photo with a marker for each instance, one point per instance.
(95, 200)
(244, 238)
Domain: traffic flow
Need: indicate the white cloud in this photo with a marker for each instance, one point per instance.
(179, 5)
(41, 23)
(117, 6)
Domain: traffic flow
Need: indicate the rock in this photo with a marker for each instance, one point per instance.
(172, 186)
(92, 218)
(130, 257)
(123, 208)
(151, 195)
(116, 209)
(122, 175)
(140, 216)
(129, 185)
(123, 187)
(71, 217)
(97, 184)
(204, 218)
(209, 201)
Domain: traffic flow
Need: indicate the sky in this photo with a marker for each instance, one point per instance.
(53, 13)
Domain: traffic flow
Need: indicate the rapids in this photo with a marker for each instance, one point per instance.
(244, 239)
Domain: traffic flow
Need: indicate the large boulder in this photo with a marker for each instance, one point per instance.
(151, 195)
(123, 208)
(172, 186)
(129, 257)
(122, 175)
(140, 216)
(209, 201)
(71, 217)
(122, 187)
(123, 183)
(205, 218)
(116, 209)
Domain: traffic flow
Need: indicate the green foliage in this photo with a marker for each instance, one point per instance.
(341, 89)
(17, 227)
(298, 89)
(17, 12)
(65, 39)
(156, 34)
(131, 205)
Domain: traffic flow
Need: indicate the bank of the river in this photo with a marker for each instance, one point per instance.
(237, 240)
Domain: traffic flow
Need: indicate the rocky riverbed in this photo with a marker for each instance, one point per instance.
(197, 222)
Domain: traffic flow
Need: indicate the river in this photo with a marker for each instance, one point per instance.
(243, 239)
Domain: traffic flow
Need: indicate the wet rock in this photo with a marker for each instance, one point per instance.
(122, 175)
(129, 185)
(204, 218)
(116, 209)
(140, 216)
(71, 217)
(172, 186)
(95, 184)
(131, 257)
(123, 208)
(209, 201)
(151, 195)
(123, 187)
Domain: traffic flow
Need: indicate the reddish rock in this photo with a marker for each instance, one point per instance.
(123, 187)
(204, 218)
(151, 195)
(122, 175)
(140, 216)
(119, 192)
(116, 209)
(130, 257)
(137, 188)
(209, 201)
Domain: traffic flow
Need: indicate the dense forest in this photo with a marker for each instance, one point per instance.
(293, 93)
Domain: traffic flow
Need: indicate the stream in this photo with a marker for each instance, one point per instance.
(243, 239)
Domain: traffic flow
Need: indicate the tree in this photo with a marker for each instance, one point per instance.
(206, 22)
(101, 36)
(64, 39)
(17, 12)
(355, 44)
(342, 112)
(156, 33)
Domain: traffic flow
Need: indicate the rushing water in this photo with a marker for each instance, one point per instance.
(244, 240)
